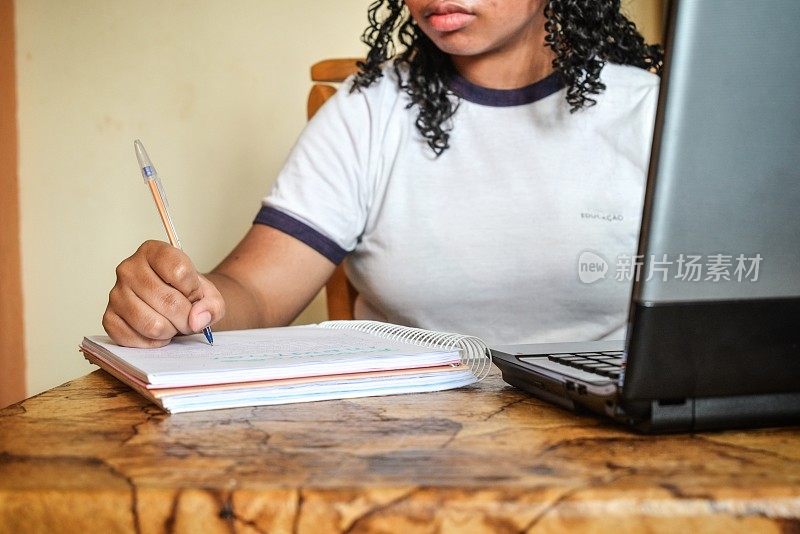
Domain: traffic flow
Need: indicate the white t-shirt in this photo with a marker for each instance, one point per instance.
(485, 239)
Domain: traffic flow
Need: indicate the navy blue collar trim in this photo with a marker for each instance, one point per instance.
(506, 97)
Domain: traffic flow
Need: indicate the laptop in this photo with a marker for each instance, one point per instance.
(716, 345)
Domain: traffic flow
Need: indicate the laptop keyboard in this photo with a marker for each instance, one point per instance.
(602, 363)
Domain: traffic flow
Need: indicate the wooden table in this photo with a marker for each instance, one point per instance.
(92, 456)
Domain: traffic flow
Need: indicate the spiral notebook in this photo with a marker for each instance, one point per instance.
(331, 360)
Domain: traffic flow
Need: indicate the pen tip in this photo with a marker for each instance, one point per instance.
(209, 336)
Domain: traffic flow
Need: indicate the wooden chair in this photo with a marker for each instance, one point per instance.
(339, 291)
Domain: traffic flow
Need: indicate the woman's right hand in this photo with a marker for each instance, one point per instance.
(158, 295)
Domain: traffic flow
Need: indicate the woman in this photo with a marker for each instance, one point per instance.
(462, 177)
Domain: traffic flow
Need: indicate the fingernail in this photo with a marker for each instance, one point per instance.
(204, 319)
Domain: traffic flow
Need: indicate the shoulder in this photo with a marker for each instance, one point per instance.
(365, 109)
(629, 79)
(628, 90)
(384, 90)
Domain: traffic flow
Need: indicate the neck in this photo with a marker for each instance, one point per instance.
(524, 60)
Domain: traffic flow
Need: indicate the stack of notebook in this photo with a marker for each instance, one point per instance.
(333, 360)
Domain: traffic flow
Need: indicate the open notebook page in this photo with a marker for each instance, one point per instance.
(266, 354)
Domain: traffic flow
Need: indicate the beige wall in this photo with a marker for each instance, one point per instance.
(216, 91)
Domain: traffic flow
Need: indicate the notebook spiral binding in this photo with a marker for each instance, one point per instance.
(474, 352)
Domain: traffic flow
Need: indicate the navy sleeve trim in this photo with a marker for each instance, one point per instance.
(287, 224)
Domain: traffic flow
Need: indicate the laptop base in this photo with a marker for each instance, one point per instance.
(649, 416)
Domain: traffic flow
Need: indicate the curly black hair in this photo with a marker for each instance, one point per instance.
(583, 35)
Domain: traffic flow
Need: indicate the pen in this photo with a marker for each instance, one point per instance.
(154, 183)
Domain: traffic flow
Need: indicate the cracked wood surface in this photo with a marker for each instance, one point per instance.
(93, 456)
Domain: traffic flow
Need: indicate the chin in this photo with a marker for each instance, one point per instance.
(459, 45)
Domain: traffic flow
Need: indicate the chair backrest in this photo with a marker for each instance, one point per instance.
(340, 293)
